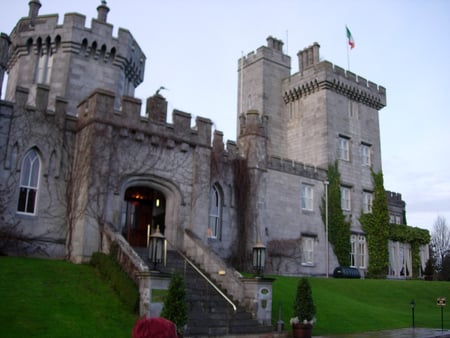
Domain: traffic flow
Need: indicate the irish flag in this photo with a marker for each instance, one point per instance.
(351, 42)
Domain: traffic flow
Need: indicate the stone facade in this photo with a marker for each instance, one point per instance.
(69, 107)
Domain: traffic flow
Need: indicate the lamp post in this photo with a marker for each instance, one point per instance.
(413, 304)
(156, 248)
(259, 257)
(326, 183)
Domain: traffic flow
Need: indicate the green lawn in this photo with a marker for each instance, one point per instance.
(48, 298)
(350, 306)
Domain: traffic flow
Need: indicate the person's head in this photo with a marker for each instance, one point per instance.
(154, 328)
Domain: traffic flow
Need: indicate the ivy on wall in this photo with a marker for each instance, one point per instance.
(338, 228)
(242, 186)
(376, 227)
(415, 236)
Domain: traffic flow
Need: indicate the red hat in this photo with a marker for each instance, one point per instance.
(154, 328)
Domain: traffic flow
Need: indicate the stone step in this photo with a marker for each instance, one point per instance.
(209, 314)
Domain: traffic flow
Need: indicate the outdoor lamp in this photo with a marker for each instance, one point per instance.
(156, 247)
(259, 257)
(413, 304)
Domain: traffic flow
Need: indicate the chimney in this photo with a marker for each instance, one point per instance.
(34, 10)
(102, 11)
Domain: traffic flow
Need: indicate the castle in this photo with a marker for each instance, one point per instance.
(78, 159)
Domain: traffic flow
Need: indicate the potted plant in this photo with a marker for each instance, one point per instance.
(304, 311)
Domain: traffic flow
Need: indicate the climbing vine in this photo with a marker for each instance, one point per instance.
(376, 227)
(415, 236)
(338, 228)
(242, 191)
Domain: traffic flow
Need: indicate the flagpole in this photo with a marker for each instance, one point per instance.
(348, 51)
(348, 57)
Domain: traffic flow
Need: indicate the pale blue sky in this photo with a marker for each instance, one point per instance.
(192, 48)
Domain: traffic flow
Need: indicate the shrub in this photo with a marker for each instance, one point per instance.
(122, 284)
(175, 308)
(304, 308)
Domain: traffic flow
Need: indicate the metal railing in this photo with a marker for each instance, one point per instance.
(210, 282)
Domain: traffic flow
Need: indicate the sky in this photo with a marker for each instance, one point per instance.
(193, 46)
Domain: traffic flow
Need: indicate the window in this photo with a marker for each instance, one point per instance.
(29, 181)
(345, 198)
(344, 148)
(215, 211)
(365, 152)
(367, 202)
(307, 250)
(358, 251)
(362, 251)
(307, 197)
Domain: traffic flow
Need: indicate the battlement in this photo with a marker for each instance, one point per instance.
(395, 199)
(326, 76)
(99, 108)
(74, 37)
(297, 168)
(273, 52)
(253, 123)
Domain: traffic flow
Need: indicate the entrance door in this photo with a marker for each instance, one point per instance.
(145, 210)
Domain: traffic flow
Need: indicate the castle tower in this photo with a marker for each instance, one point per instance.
(332, 115)
(259, 88)
(71, 59)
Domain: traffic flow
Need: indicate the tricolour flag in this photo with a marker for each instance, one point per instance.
(351, 41)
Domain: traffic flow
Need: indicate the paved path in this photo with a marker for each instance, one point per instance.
(403, 333)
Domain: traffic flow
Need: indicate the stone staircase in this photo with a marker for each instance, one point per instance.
(209, 314)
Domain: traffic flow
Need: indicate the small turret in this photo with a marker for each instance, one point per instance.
(102, 11)
(34, 10)
(4, 47)
(308, 56)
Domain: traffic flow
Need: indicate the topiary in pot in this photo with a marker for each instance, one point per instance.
(304, 310)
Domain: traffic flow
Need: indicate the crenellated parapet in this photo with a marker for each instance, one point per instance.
(253, 123)
(296, 168)
(272, 52)
(99, 108)
(95, 42)
(316, 75)
(395, 198)
(72, 58)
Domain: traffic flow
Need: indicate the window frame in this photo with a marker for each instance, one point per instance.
(365, 153)
(344, 148)
(346, 203)
(307, 197)
(307, 243)
(367, 202)
(215, 213)
(29, 183)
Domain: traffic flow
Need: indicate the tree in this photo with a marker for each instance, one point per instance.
(175, 308)
(440, 239)
(304, 308)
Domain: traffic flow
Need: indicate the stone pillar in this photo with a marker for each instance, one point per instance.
(258, 293)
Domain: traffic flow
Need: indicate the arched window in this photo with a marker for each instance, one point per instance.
(29, 181)
(215, 213)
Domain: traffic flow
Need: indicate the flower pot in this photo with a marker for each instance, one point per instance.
(302, 330)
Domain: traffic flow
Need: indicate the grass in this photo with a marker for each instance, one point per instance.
(351, 306)
(48, 298)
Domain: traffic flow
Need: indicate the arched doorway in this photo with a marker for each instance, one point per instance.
(145, 209)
